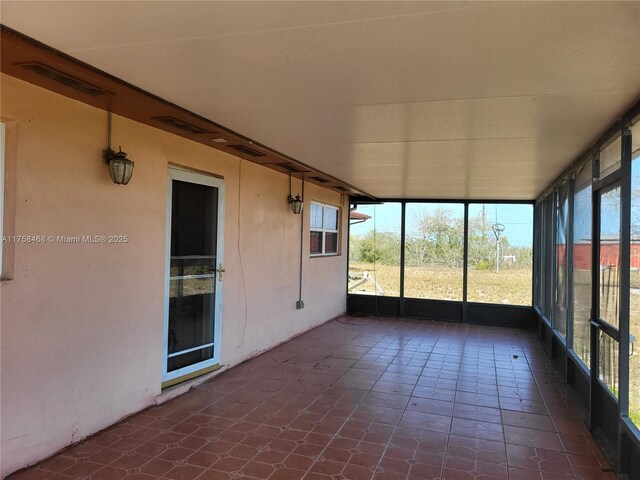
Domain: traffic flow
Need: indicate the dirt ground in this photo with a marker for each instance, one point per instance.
(511, 286)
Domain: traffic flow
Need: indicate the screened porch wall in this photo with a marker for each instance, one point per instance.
(587, 285)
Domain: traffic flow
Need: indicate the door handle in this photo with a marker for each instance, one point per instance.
(220, 271)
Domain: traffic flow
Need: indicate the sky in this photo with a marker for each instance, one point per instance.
(610, 208)
(517, 218)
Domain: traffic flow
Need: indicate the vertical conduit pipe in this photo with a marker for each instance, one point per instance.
(300, 303)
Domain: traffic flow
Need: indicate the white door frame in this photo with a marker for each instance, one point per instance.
(2, 148)
(201, 179)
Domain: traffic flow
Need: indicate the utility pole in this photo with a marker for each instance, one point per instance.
(484, 216)
(497, 228)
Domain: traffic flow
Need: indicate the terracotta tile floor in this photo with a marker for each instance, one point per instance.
(358, 398)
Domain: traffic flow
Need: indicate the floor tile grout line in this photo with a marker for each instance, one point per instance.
(326, 387)
(345, 421)
(404, 410)
(504, 437)
(535, 379)
(530, 369)
(360, 403)
(349, 416)
(275, 393)
(240, 419)
(533, 353)
(446, 447)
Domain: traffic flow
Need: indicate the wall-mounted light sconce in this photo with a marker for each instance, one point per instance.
(295, 202)
(120, 167)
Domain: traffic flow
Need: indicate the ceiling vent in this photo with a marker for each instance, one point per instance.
(64, 79)
(319, 179)
(292, 168)
(180, 125)
(247, 151)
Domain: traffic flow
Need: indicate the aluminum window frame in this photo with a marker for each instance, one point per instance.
(354, 201)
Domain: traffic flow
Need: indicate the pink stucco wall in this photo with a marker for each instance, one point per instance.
(81, 325)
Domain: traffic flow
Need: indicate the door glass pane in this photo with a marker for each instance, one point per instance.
(634, 347)
(500, 262)
(187, 287)
(609, 256)
(192, 272)
(374, 249)
(188, 265)
(582, 223)
(561, 290)
(608, 368)
(434, 249)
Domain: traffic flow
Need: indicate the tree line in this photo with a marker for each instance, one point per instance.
(437, 238)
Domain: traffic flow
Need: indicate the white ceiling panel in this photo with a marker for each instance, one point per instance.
(401, 99)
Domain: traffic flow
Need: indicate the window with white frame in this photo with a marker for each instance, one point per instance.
(324, 229)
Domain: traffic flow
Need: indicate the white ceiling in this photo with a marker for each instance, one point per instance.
(401, 99)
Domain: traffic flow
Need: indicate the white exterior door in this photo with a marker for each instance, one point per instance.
(193, 303)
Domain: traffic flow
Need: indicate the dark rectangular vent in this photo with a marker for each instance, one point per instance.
(180, 125)
(341, 188)
(319, 179)
(291, 168)
(248, 151)
(64, 79)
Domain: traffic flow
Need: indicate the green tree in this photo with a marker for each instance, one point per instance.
(376, 247)
(438, 239)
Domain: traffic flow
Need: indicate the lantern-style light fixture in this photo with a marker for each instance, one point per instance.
(295, 202)
(120, 167)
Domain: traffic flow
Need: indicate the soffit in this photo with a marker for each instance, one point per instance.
(401, 99)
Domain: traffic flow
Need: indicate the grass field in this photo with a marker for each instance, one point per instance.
(511, 286)
(634, 360)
